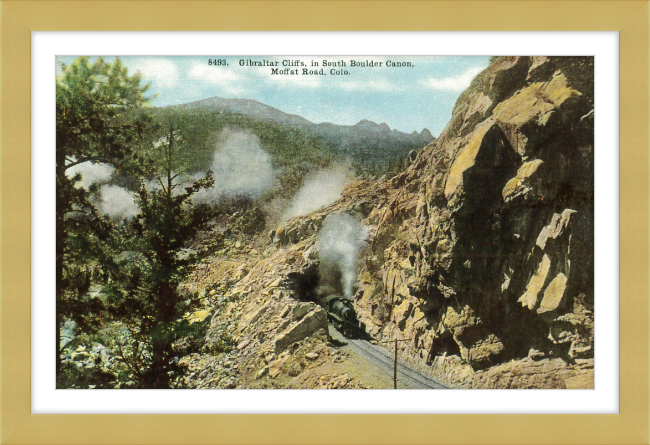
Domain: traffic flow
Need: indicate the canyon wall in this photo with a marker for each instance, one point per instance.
(482, 257)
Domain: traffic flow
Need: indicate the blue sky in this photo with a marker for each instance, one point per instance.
(406, 98)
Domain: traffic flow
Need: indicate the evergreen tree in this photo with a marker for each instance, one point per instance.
(146, 295)
(94, 123)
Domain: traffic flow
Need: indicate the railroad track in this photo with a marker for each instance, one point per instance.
(382, 360)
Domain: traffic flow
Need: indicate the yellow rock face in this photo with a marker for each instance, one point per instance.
(534, 102)
(466, 317)
(466, 158)
(402, 312)
(524, 172)
(536, 283)
(553, 294)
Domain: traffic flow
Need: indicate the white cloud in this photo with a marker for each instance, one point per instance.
(452, 83)
(372, 85)
(161, 71)
(289, 81)
(230, 81)
(216, 74)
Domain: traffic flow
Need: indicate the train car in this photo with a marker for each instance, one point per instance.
(341, 314)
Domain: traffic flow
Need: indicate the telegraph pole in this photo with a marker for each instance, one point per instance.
(395, 368)
(395, 363)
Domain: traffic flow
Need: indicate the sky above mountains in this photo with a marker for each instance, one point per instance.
(407, 98)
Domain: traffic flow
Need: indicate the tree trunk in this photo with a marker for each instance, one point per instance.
(157, 376)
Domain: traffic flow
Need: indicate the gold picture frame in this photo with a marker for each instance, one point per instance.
(629, 18)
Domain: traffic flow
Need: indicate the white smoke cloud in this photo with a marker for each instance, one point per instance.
(241, 168)
(319, 190)
(116, 202)
(90, 173)
(339, 242)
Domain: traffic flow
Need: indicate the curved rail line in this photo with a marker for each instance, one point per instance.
(405, 374)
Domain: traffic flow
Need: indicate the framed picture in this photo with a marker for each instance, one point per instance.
(317, 221)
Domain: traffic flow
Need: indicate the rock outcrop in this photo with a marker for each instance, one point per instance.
(301, 329)
(484, 251)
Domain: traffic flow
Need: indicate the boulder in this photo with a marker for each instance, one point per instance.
(466, 158)
(483, 352)
(453, 319)
(252, 316)
(306, 327)
(243, 344)
(262, 372)
(302, 309)
(198, 316)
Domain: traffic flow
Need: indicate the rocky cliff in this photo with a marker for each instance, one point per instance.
(480, 254)
(483, 255)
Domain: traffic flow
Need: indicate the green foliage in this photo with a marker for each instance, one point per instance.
(288, 146)
(249, 222)
(145, 294)
(93, 112)
(190, 336)
(94, 123)
(79, 377)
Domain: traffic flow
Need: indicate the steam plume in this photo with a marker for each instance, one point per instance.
(241, 168)
(116, 202)
(90, 173)
(319, 190)
(111, 200)
(339, 242)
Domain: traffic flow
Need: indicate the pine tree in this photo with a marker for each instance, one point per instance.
(146, 296)
(94, 123)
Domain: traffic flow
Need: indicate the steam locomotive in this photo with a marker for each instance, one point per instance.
(340, 310)
(341, 314)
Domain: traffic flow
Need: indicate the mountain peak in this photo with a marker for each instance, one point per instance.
(368, 125)
(249, 107)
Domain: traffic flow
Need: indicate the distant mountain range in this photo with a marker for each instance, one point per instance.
(357, 139)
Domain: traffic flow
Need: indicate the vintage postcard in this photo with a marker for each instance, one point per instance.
(324, 222)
